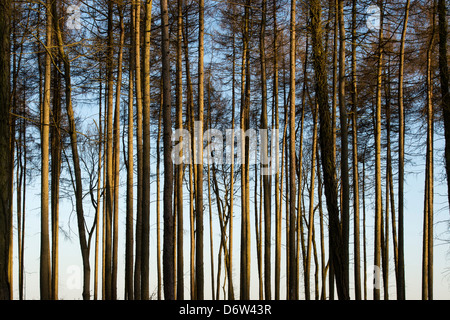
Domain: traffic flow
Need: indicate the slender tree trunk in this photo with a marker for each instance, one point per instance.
(55, 177)
(192, 166)
(199, 271)
(139, 146)
(99, 181)
(233, 116)
(265, 160)
(378, 201)
(323, 295)
(277, 173)
(356, 218)
(116, 155)
(401, 165)
(109, 158)
(208, 123)
(5, 152)
(444, 78)
(328, 164)
(168, 259)
(245, 197)
(145, 272)
(45, 268)
(129, 288)
(427, 271)
(76, 159)
(293, 290)
(311, 206)
(158, 199)
(179, 179)
(345, 188)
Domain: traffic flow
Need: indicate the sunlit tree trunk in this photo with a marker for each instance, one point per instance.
(116, 155)
(129, 284)
(45, 268)
(345, 187)
(265, 158)
(427, 258)
(356, 228)
(401, 159)
(293, 289)
(378, 204)
(5, 163)
(145, 268)
(139, 146)
(278, 220)
(179, 178)
(75, 158)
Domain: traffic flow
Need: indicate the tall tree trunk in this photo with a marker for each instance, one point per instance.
(427, 271)
(129, 288)
(158, 200)
(245, 197)
(444, 78)
(45, 269)
(145, 292)
(168, 259)
(75, 157)
(325, 135)
(55, 177)
(378, 203)
(109, 157)
(293, 289)
(208, 123)
(356, 228)
(311, 205)
(5, 163)
(277, 172)
(345, 187)
(116, 154)
(192, 166)
(99, 181)
(199, 187)
(139, 146)
(233, 116)
(265, 159)
(179, 178)
(401, 159)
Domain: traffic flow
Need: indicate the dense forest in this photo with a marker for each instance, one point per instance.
(246, 149)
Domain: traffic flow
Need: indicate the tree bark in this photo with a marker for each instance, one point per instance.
(265, 158)
(145, 269)
(325, 135)
(378, 201)
(444, 79)
(356, 218)
(199, 271)
(75, 157)
(345, 187)
(179, 178)
(129, 284)
(401, 165)
(139, 146)
(168, 259)
(5, 163)
(293, 289)
(45, 269)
